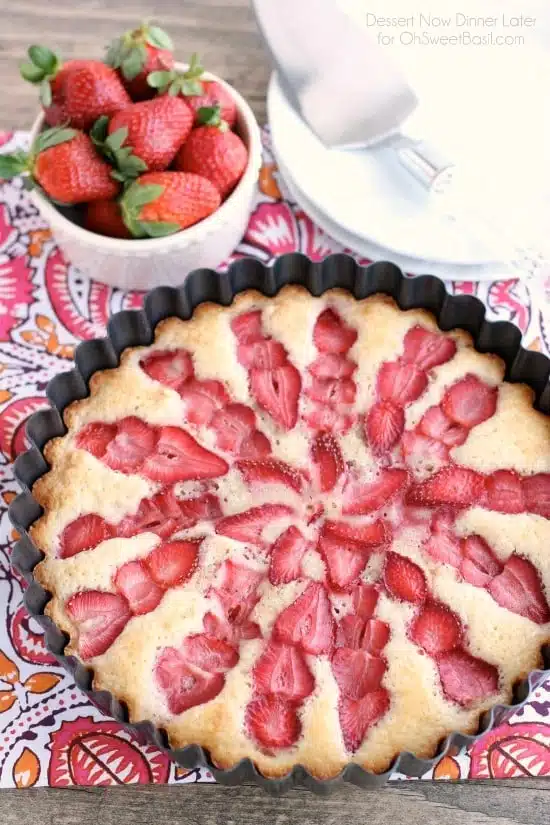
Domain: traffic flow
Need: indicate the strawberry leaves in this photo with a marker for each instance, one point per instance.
(127, 165)
(128, 53)
(20, 162)
(187, 83)
(40, 69)
(134, 198)
(211, 116)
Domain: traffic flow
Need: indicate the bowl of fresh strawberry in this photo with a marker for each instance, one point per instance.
(144, 168)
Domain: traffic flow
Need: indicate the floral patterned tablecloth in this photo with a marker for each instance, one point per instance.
(49, 733)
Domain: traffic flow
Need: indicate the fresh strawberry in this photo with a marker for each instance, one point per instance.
(75, 93)
(287, 553)
(84, 533)
(136, 54)
(435, 424)
(249, 525)
(272, 721)
(465, 679)
(469, 402)
(518, 588)
(479, 564)
(99, 618)
(457, 486)
(308, 621)
(357, 716)
(371, 635)
(404, 579)
(105, 218)
(331, 391)
(154, 129)
(332, 335)
(171, 367)
(277, 391)
(359, 498)
(184, 685)
(202, 508)
(173, 562)
(270, 471)
(325, 419)
(236, 588)
(208, 653)
(161, 203)
(231, 632)
(265, 354)
(133, 581)
(95, 438)
(282, 670)
(66, 165)
(135, 440)
(213, 94)
(504, 492)
(202, 399)
(400, 382)
(247, 327)
(364, 535)
(536, 492)
(332, 365)
(384, 425)
(345, 561)
(365, 597)
(213, 151)
(160, 514)
(357, 672)
(436, 629)
(178, 457)
(426, 349)
(328, 464)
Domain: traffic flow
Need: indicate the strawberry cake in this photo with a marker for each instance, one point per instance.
(302, 530)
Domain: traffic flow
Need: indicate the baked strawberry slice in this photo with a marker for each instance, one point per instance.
(208, 653)
(357, 716)
(134, 582)
(287, 553)
(426, 349)
(96, 437)
(332, 365)
(536, 492)
(518, 588)
(160, 514)
(271, 471)
(172, 562)
(357, 672)
(256, 445)
(364, 599)
(184, 685)
(202, 399)
(273, 722)
(249, 525)
(84, 533)
(356, 633)
(331, 334)
(248, 326)
(479, 564)
(178, 457)
(232, 425)
(236, 588)
(404, 580)
(367, 535)
(345, 561)
(435, 424)
(264, 354)
(469, 402)
(135, 440)
(422, 452)
(170, 367)
(202, 508)
(331, 391)
(231, 632)
(308, 622)
(505, 492)
(465, 679)
(443, 545)
(99, 618)
(321, 418)
(277, 391)
(360, 498)
(384, 426)
(456, 486)
(328, 464)
(375, 637)
(436, 629)
(400, 382)
(283, 671)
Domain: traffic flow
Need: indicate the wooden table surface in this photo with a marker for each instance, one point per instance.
(224, 34)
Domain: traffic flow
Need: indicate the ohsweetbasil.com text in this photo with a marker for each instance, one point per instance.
(457, 29)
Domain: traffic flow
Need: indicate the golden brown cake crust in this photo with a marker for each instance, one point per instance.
(420, 715)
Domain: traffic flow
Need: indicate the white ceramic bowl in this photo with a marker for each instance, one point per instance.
(143, 264)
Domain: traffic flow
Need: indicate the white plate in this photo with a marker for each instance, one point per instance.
(412, 266)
